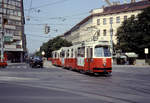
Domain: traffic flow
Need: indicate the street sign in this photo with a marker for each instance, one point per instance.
(146, 50)
(8, 38)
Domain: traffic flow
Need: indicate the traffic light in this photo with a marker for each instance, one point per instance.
(47, 29)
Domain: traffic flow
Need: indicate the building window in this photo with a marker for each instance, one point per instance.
(81, 52)
(132, 15)
(125, 17)
(104, 32)
(104, 21)
(98, 21)
(18, 46)
(118, 19)
(111, 20)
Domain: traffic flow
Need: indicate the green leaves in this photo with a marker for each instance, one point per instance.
(53, 44)
(134, 34)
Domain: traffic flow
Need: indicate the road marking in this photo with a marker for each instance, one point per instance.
(18, 67)
(8, 78)
(82, 93)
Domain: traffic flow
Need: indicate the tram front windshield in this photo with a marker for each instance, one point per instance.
(101, 51)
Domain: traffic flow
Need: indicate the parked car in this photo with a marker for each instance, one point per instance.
(36, 62)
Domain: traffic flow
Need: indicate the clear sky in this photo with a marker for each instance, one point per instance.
(60, 15)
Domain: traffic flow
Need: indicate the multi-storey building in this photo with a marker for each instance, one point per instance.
(102, 24)
(11, 11)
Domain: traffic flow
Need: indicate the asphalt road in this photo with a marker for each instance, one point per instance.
(21, 84)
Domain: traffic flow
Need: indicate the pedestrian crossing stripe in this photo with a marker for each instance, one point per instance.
(17, 67)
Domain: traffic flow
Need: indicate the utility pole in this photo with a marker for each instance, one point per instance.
(2, 33)
(111, 35)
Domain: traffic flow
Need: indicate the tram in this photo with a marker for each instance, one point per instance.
(89, 57)
(4, 62)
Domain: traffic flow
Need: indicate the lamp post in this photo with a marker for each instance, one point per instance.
(146, 52)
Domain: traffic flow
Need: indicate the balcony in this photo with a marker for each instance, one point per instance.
(10, 27)
(15, 17)
(16, 37)
(10, 46)
(13, 48)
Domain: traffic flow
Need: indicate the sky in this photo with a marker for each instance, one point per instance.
(60, 15)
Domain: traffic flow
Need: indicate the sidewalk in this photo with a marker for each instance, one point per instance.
(9, 64)
(47, 63)
(114, 65)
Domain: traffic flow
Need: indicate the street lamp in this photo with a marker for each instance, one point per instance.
(146, 52)
(43, 53)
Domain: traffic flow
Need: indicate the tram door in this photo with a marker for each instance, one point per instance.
(63, 57)
(89, 57)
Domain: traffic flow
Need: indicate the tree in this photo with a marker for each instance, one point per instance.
(53, 44)
(134, 34)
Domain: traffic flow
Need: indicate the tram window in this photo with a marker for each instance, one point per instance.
(68, 53)
(76, 53)
(102, 51)
(71, 52)
(107, 52)
(91, 49)
(55, 55)
(58, 55)
(98, 51)
(62, 54)
(89, 53)
(81, 52)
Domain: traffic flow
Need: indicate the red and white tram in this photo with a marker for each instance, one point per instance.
(90, 57)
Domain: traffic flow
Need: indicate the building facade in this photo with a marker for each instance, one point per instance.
(102, 23)
(12, 12)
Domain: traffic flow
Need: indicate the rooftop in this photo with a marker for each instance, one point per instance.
(114, 9)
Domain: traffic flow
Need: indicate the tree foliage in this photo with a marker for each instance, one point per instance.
(53, 44)
(134, 34)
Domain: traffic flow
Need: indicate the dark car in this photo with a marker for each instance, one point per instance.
(36, 62)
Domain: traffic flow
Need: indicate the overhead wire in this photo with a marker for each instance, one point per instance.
(49, 4)
(62, 17)
(48, 24)
(36, 35)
